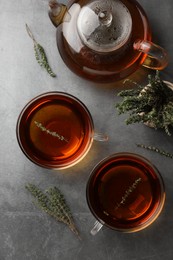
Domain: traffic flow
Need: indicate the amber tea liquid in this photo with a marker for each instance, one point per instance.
(126, 192)
(55, 130)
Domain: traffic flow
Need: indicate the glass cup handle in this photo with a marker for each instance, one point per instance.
(96, 228)
(100, 137)
(157, 57)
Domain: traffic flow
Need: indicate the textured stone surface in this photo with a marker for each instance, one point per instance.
(26, 232)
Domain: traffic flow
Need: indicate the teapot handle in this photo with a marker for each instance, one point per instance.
(157, 57)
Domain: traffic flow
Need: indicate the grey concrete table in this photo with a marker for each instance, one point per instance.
(26, 233)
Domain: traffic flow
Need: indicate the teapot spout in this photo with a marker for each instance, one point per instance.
(56, 12)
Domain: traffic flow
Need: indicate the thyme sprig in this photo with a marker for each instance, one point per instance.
(152, 104)
(52, 133)
(40, 54)
(53, 203)
(156, 149)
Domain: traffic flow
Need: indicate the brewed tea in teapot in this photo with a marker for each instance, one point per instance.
(105, 41)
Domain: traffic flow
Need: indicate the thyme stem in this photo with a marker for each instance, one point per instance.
(156, 149)
(30, 34)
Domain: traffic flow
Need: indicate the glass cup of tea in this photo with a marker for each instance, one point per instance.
(125, 192)
(55, 130)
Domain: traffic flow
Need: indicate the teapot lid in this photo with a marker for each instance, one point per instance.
(104, 26)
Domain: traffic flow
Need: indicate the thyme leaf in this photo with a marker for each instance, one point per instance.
(40, 54)
(53, 203)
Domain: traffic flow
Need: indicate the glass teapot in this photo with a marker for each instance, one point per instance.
(105, 41)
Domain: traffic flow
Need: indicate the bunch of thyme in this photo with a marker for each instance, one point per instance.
(53, 203)
(40, 54)
(153, 104)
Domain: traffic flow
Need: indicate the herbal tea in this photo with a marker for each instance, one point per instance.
(55, 130)
(126, 192)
